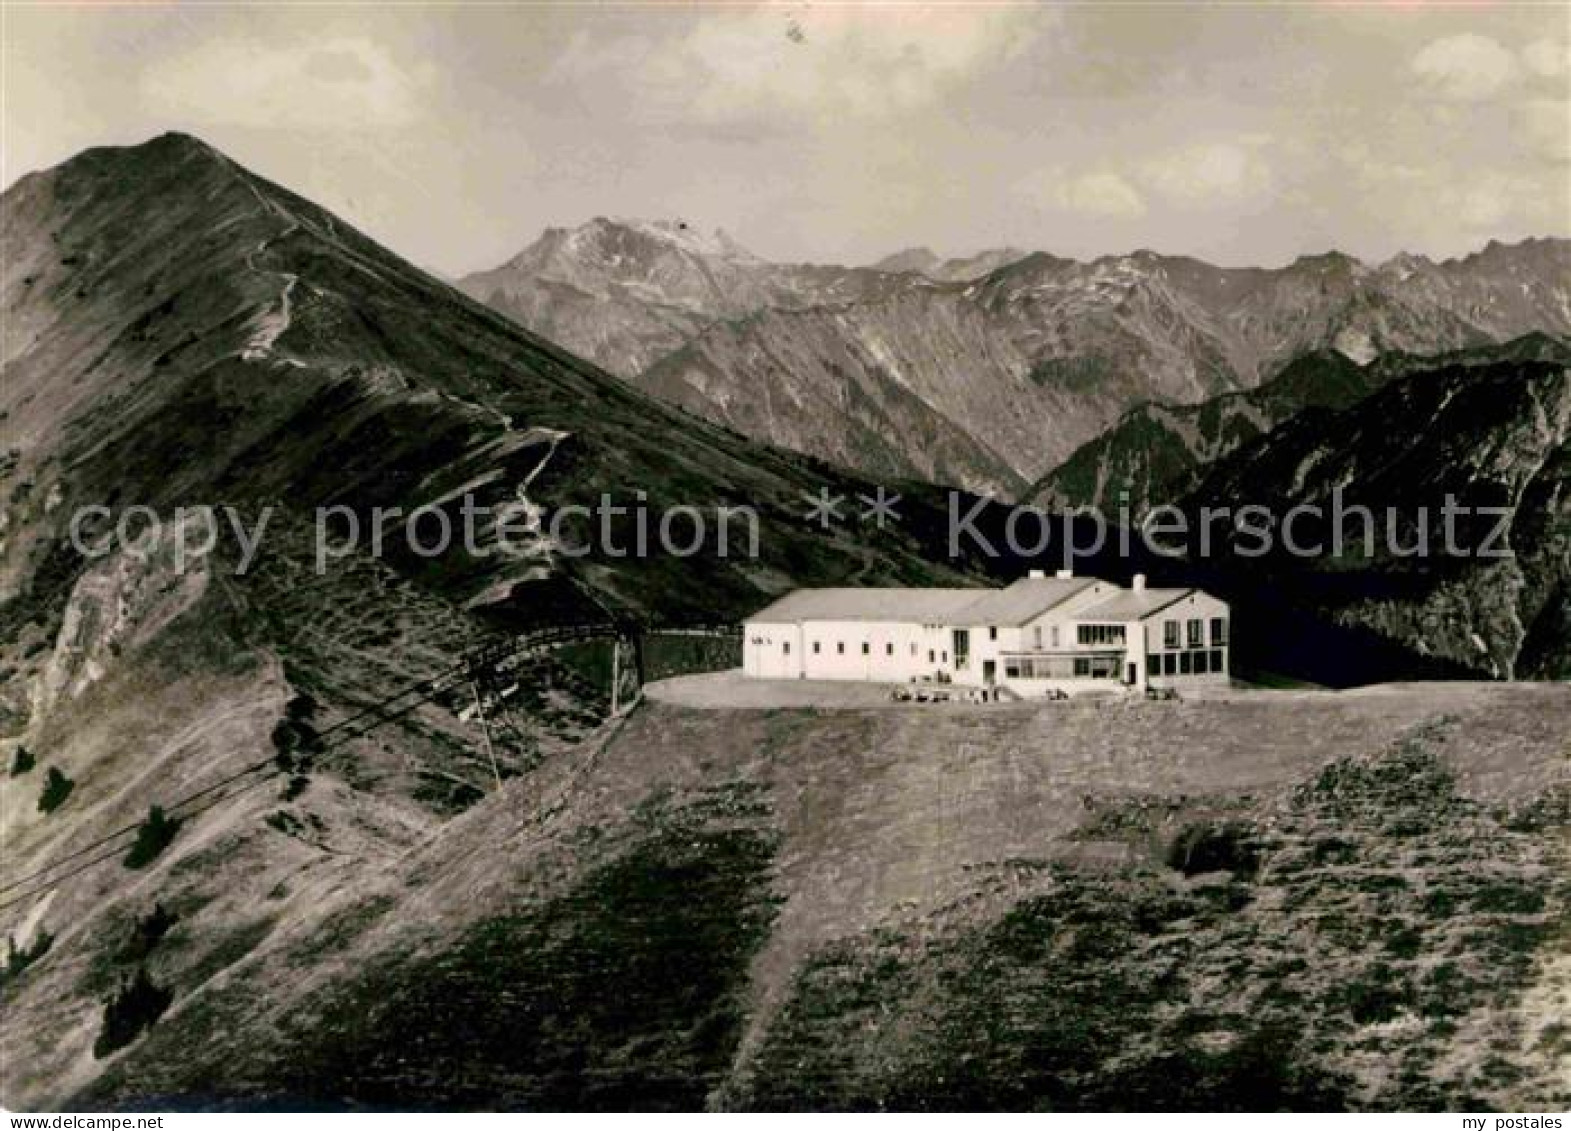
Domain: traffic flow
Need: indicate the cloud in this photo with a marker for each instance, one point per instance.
(1443, 209)
(1104, 194)
(1544, 127)
(346, 82)
(1493, 203)
(1465, 68)
(812, 63)
(1547, 58)
(1209, 173)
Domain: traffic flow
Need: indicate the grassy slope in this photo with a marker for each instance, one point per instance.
(919, 909)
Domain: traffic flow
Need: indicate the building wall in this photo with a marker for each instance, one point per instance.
(1205, 609)
(890, 652)
(771, 651)
(989, 646)
(895, 652)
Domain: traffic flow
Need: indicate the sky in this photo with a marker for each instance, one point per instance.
(455, 133)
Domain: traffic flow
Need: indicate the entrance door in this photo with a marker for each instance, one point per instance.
(989, 671)
(1134, 675)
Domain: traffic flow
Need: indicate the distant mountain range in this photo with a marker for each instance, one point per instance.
(988, 372)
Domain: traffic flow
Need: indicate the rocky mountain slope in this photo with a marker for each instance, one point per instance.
(1157, 452)
(1302, 901)
(1495, 593)
(996, 378)
(183, 333)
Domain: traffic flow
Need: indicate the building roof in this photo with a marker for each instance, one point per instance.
(1016, 604)
(1022, 601)
(921, 606)
(1133, 604)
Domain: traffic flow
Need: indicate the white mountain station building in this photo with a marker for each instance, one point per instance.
(1064, 633)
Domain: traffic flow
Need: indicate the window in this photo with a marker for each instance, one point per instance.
(913, 647)
(962, 638)
(992, 632)
(1170, 663)
(840, 647)
(1196, 639)
(1012, 669)
(1218, 631)
(817, 648)
(785, 647)
(930, 656)
(1202, 662)
(1055, 636)
(1099, 634)
(1082, 667)
(1218, 664)
(1186, 663)
(944, 656)
(1037, 635)
(889, 649)
(1153, 664)
(866, 647)
(1170, 634)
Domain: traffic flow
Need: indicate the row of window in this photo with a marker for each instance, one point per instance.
(867, 650)
(1091, 635)
(1194, 633)
(1186, 663)
(1061, 667)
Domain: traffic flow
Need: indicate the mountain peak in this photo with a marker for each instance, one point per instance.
(1405, 264)
(171, 145)
(163, 151)
(674, 233)
(918, 259)
(176, 139)
(1327, 262)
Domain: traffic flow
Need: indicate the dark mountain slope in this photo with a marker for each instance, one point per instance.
(1491, 435)
(1157, 452)
(184, 332)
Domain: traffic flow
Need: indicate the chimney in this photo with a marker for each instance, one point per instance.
(1036, 575)
(1065, 575)
(1140, 583)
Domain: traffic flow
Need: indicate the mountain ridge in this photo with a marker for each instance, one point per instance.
(1069, 345)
